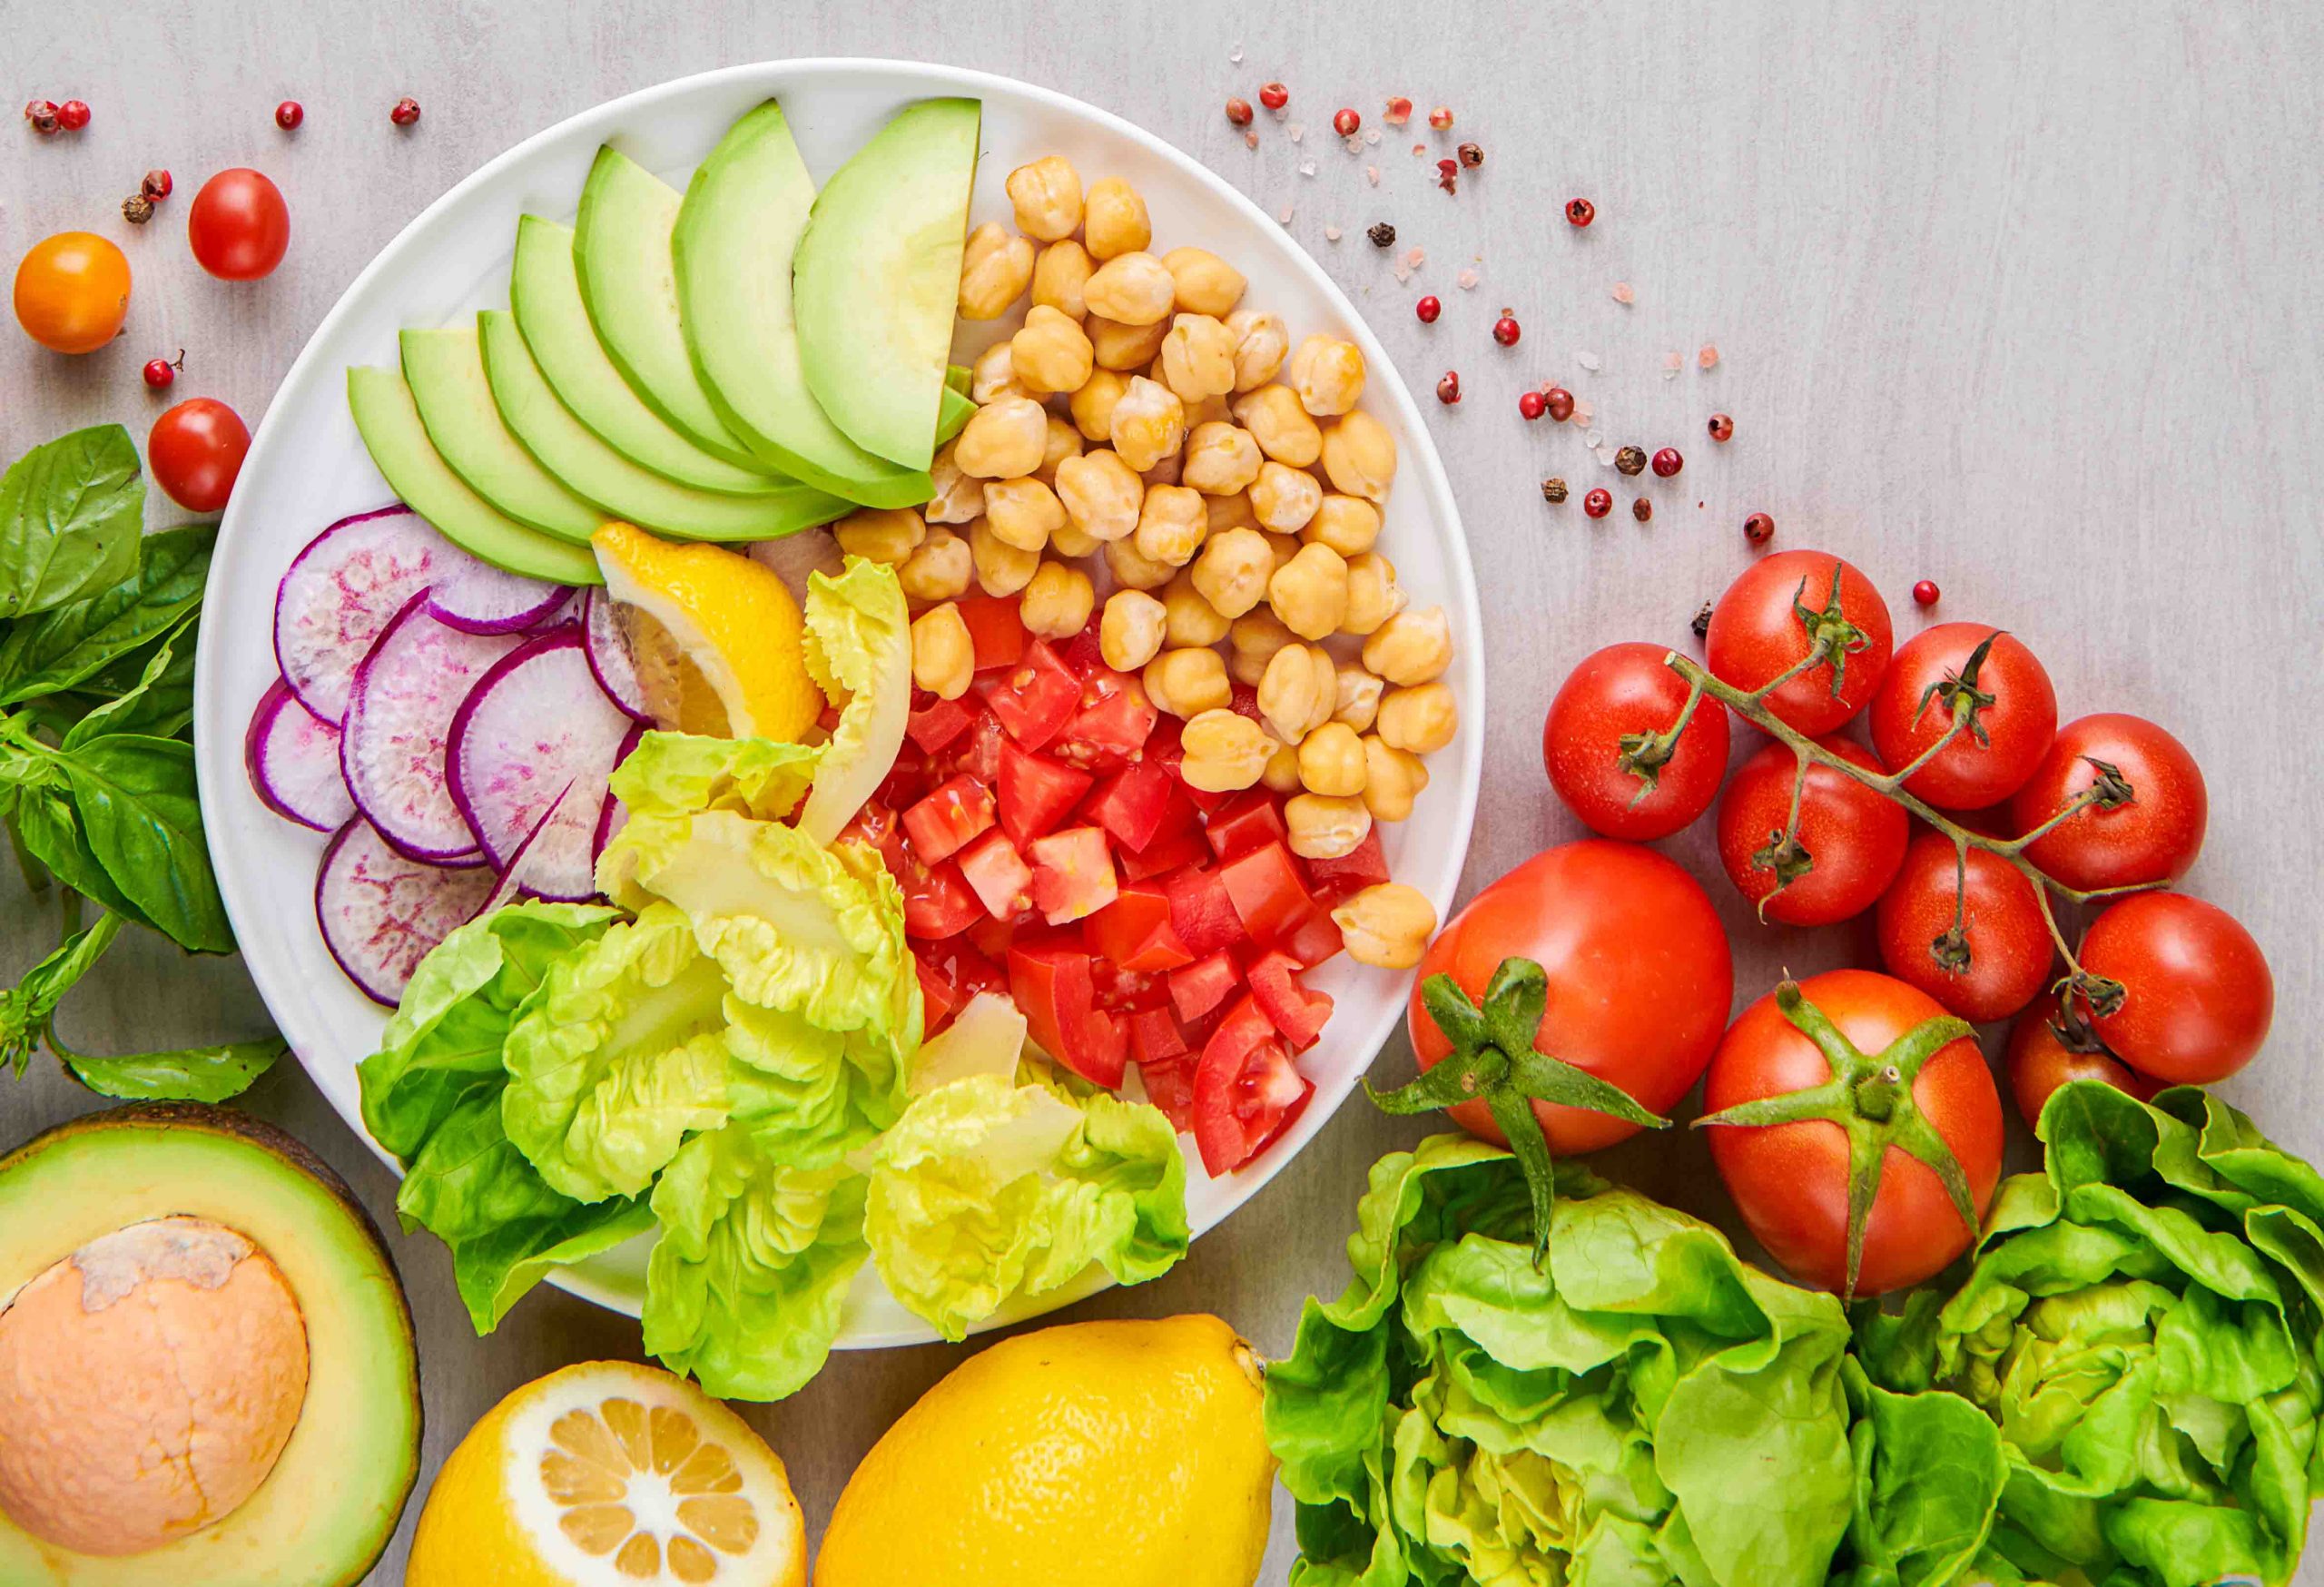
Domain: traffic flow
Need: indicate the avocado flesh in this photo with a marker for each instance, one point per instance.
(621, 253)
(877, 278)
(743, 216)
(545, 294)
(569, 449)
(953, 416)
(446, 374)
(330, 1506)
(390, 423)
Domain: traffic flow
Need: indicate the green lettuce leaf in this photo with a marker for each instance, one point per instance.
(677, 774)
(859, 651)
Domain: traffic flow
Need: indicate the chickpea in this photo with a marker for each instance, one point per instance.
(1116, 346)
(1047, 194)
(958, 496)
(1373, 593)
(1233, 570)
(1166, 471)
(1207, 284)
(1002, 569)
(994, 374)
(1282, 548)
(1258, 632)
(1130, 633)
(1309, 592)
(1004, 441)
(1023, 512)
(1197, 358)
(1050, 353)
(939, 569)
(1208, 411)
(1226, 751)
(1331, 761)
(1412, 648)
(1148, 424)
(1059, 274)
(1074, 543)
(1193, 621)
(1420, 719)
(996, 267)
(1063, 441)
(1356, 697)
(1360, 457)
(1282, 775)
(1187, 681)
(1132, 289)
(1280, 427)
(1325, 828)
(1328, 375)
(943, 657)
(1172, 525)
(1284, 498)
(1058, 603)
(1113, 219)
(1246, 667)
(1386, 926)
(1093, 405)
(1133, 570)
(1230, 512)
(1221, 458)
(1299, 690)
(1101, 494)
(1393, 779)
(883, 535)
(1260, 343)
(1347, 524)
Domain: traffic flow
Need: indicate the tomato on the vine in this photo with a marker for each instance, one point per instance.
(1875, 1061)
(195, 451)
(2015, 714)
(1625, 693)
(1784, 605)
(1847, 851)
(2147, 815)
(1965, 927)
(239, 227)
(2044, 1053)
(2197, 994)
(72, 292)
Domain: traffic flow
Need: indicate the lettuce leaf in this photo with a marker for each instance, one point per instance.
(677, 774)
(858, 649)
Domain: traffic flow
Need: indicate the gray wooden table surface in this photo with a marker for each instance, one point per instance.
(2023, 299)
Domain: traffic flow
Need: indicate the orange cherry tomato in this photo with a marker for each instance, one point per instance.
(72, 291)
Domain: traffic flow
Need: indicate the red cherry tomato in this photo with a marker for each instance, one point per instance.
(1852, 839)
(1790, 1180)
(1971, 772)
(2003, 939)
(195, 451)
(1757, 635)
(2040, 1060)
(1621, 690)
(1639, 974)
(2197, 994)
(238, 225)
(2152, 836)
(72, 292)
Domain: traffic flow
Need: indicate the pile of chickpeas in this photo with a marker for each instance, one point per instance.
(1233, 488)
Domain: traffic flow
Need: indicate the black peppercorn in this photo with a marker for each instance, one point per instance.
(1554, 489)
(1702, 625)
(137, 209)
(1472, 156)
(1642, 510)
(1383, 234)
(1630, 459)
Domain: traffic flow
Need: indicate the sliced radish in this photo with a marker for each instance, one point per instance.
(293, 760)
(400, 712)
(615, 815)
(381, 913)
(484, 599)
(609, 656)
(533, 727)
(516, 878)
(342, 591)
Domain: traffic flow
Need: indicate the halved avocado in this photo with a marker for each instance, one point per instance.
(446, 374)
(877, 278)
(545, 294)
(569, 449)
(621, 252)
(744, 212)
(389, 421)
(326, 1509)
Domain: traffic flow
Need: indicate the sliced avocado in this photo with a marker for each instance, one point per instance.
(621, 251)
(324, 1513)
(877, 278)
(959, 378)
(569, 449)
(952, 415)
(446, 374)
(744, 212)
(545, 294)
(390, 423)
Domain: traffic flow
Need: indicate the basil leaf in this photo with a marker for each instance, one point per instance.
(61, 648)
(27, 1007)
(159, 703)
(191, 1074)
(50, 829)
(140, 820)
(71, 513)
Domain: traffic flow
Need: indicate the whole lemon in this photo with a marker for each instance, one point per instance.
(1098, 1454)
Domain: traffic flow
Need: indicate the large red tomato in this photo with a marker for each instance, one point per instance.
(1757, 632)
(2002, 955)
(2197, 994)
(1640, 978)
(1850, 839)
(2152, 835)
(2040, 1059)
(1989, 759)
(1791, 1180)
(1616, 693)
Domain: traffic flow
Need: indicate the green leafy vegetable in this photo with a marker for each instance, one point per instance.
(678, 774)
(28, 1007)
(190, 1074)
(1928, 1475)
(142, 821)
(859, 651)
(71, 513)
(66, 646)
(158, 701)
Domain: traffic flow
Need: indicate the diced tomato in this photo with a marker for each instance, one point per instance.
(1133, 804)
(1265, 888)
(1251, 820)
(937, 724)
(1083, 653)
(997, 873)
(1108, 1053)
(1365, 866)
(1034, 699)
(994, 630)
(992, 935)
(1051, 983)
(957, 810)
(1203, 985)
(1134, 931)
(1165, 751)
(875, 824)
(1315, 939)
(1130, 991)
(1244, 700)
(1036, 793)
(937, 903)
(940, 999)
(958, 970)
(1170, 1087)
(1073, 874)
(1113, 724)
(907, 777)
(1297, 1013)
(1290, 1116)
(1155, 1037)
(1244, 1086)
(1203, 911)
(1172, 850)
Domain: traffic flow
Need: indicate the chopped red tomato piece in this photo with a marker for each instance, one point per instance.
(1315, 939)
(1266, 891)
(1244, 1087)
(1051, 983)
(1203, 985)
(940, 999)
(1114, 723)
(1244, 700)
(1155, 1037)
(875, 825)
(997, 873)
(1130, 991)
(1251, 821)
(1297, 1013)
(994, 937)
(1203, 911)
(937, 903)
(1165, 751)
(1034, 699)
(1174, 849)
(1036, 793)
(907, 777)
(1134, 931)
(1170, 1087)
(995, 631)
(1134, 804)
(937, 724)
(1073, 874)
(1085, 652)
(940, 825)
(1331, 881)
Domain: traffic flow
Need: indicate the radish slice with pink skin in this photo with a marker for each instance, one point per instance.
(293, 760)
(400, 714)
(483, 599)
(343, 591)
(515, 882)
(381, 913)
(609, 656)
(615, 815)
(534, 727)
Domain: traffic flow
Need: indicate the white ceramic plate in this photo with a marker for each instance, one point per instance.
(307, 467)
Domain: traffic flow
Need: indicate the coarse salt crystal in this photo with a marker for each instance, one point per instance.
(1585, 413)
(1306, 168)
(1595, 439)
(1420, 148)
(1589, 361)
(1234, 55)
(1331, 233)
(1467, 279)
(1372, 175)
(1670, 362)
(1372, 134)
(1250, 139)
(1708, 357)
(1298, 130)
(1284, 214)
(1623, 293)
(1354, 143)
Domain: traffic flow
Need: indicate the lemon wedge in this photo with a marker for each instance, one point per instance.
(610, 1474)
(717, 638)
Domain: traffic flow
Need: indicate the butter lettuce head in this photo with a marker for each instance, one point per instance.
(676, 773)
(858, 649)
